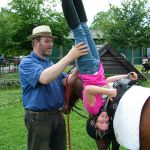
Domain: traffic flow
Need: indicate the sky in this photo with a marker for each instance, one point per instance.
(92, 7)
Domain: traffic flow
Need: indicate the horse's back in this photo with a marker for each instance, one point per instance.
(145, 126)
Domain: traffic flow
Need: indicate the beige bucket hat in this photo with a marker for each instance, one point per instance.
(42, 30)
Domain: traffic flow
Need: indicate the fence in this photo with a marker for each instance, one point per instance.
(9, 65)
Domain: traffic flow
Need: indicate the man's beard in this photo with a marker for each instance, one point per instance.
(45, 54)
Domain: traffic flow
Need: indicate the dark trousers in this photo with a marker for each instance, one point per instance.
(46, 131)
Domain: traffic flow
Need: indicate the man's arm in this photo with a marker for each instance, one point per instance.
(55, 70)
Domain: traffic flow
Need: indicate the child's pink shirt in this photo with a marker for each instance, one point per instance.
(97, 79)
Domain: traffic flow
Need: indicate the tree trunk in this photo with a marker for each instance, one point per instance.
(132, 60)
(142, 56)
(60, 52)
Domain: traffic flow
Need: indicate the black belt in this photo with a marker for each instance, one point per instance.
(44, 112)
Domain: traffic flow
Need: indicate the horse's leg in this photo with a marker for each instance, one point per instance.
(145, 126)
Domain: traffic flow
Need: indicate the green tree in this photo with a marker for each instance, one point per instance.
(127, 26)
(7, 30)
(25, 15)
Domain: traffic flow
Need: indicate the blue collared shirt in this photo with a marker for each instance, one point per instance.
(37, 96)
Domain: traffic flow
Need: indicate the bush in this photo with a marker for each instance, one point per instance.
(8, 84)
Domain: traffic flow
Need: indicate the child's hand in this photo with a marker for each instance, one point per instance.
(133, 76)
(112, 93)
(110, 98)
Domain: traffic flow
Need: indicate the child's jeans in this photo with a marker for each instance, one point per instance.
(87, 64)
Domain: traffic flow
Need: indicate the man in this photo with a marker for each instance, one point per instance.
(43, 91)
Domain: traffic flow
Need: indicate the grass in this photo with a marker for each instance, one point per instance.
(13, 134)
(147, 75)
(79, 137)
(9, 76)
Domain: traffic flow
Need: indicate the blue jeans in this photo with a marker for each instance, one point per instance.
(87, 64)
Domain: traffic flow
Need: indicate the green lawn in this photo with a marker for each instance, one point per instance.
(13, 132)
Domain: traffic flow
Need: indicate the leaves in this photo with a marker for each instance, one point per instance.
(127, 26)
(22, 16)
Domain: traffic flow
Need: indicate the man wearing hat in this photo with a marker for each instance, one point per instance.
(43, 84)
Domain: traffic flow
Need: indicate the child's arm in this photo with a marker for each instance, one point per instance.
(115, 78)
(131, 75)
(92, 90)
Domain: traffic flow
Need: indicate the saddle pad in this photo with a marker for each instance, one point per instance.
(127, 117)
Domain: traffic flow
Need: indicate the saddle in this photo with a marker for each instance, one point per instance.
(122, 86)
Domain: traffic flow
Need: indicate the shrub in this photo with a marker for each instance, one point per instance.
(8, 84)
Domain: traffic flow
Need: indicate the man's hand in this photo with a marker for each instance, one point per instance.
(77, 51)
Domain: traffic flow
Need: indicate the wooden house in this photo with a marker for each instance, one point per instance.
(114, 63)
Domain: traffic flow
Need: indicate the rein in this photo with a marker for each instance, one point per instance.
(79, 112)
(67, 110)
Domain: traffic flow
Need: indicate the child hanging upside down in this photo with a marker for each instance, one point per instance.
(90, 68)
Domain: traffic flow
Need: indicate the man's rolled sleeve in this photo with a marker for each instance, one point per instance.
(31, 72)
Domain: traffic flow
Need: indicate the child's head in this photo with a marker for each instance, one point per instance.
(97, 124)
(102, 121)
